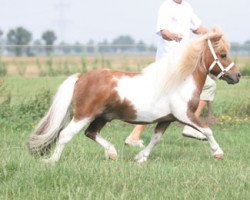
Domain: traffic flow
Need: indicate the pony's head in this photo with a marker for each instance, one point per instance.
(216, 58)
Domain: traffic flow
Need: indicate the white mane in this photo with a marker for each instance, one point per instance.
(168, 72)
(162, 72)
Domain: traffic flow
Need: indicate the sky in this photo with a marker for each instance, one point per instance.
(82, 20)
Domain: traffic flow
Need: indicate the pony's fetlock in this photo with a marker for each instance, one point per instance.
(218, 154)
(141, 157)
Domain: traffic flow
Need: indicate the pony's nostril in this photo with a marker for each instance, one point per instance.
(239, 75)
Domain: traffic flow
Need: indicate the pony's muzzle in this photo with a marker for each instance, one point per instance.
(231, 78)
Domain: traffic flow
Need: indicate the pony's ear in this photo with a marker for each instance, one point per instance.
(215, 37)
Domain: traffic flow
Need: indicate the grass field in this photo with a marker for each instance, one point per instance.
(179, 168)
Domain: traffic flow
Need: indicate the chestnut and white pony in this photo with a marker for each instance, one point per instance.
(165, 91)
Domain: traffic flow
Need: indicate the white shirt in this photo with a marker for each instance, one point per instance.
(176, 18)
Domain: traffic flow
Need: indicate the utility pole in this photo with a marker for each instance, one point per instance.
(61, 21)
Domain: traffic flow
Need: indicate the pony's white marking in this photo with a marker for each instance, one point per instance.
(142, 156)
(65, 136)
(149, 99)
(110, 151)
(216, 150)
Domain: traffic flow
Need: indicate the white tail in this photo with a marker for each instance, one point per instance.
(52, 123)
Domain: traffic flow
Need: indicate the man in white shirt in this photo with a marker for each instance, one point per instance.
(176, 19)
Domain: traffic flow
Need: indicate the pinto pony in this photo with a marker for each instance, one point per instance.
(165, 91)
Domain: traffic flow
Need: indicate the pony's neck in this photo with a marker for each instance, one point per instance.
(200, 75)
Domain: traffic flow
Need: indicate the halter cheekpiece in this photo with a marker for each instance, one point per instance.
(217, 61)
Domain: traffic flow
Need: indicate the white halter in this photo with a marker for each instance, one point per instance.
(216, 61)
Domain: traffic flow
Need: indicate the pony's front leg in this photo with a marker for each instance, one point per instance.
(193, 121)
(216, 150)
(142, 156)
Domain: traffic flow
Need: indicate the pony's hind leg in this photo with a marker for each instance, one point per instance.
(65, 136)
(142, 156)
(93, 133)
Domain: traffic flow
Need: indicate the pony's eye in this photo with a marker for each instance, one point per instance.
(224, 55)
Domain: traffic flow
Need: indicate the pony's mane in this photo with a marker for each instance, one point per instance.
(179, 64)
(193, 54)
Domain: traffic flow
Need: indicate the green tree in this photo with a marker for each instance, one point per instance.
(123, 43)
(77, 48)
(1, 33)
(90, 46)
(141, 46)
(104, 46)
(38, 48)
(49, 38)
(19, 36)
(66, 48)
(246, 46)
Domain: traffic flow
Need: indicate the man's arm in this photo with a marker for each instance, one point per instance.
(170, 36)
(201, 30)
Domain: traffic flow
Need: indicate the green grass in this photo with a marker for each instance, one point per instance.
(232, 99)
(178, 168)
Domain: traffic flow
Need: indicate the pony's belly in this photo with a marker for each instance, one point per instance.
(151, 113)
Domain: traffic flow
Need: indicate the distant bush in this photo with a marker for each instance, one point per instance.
(36, 107)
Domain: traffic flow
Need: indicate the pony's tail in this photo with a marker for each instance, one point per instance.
(54, 121)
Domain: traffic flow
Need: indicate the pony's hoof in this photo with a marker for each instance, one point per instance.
(48, 161)
(111, 153)
(219, 157)
(140, 158)
(113, 156)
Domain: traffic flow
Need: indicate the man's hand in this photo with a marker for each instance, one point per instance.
(201, 30)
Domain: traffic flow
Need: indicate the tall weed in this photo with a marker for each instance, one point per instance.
(3, 68)
(27, 112)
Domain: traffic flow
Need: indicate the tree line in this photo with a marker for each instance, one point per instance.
(18, 42)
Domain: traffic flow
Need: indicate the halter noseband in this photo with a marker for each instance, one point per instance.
(217, 61)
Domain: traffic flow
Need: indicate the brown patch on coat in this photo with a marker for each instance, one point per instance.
(192, 107)
(167, 118)
(162, 126)
(95, 128)
(95, 96)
